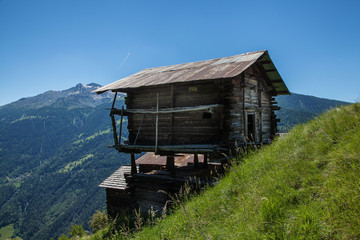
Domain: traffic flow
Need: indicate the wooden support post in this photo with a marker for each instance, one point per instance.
(138, 132)
(157, 124)
(168, 158)
(113, 122)
(114, 130)
(113, 104)
(196, 160)
(259, 125)
(205, 160)
(133, 164)
(121, 121)
(170, 165)
(243, 107)
(172, 116)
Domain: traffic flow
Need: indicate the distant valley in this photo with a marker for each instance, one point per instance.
(298, 108)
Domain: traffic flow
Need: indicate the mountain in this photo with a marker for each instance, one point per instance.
(298, 108)
(80, 96)
(54, 154)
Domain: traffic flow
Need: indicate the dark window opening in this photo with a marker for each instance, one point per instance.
(206, 115)
(251, 127)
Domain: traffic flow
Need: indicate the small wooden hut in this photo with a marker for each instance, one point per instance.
(151, 186)
(205, 107)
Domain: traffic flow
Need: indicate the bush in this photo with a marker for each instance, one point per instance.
(63, 237)
(77, 231)
(99, 221)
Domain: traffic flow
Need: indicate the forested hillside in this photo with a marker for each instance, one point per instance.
(298, 108)
(53, 156)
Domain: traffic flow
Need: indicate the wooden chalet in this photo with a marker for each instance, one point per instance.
(201, 108)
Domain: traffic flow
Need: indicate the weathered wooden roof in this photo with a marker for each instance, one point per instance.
(180, 160)
(219, 68)
(117, 179)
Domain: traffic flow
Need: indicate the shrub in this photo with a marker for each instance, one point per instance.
(99, 221)
(77, 231)
(63, 237)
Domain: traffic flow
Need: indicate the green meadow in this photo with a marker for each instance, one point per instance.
(305, 185)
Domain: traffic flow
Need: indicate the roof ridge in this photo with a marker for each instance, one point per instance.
(212, 59)
(217, 68)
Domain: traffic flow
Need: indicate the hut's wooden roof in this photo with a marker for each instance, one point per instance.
(180, 161)
(220, 68)
(117, 179)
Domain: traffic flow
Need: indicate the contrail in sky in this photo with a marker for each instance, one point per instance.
(125, 59)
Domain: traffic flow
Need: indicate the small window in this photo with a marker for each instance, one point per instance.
(206, 115)
(193, 89)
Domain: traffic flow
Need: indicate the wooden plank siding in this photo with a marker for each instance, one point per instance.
(249, 94)
(241, 96)
(199, 127)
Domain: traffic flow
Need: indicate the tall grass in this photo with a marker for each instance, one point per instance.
(304, 186)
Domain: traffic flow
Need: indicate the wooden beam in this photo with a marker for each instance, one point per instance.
(121, 121)
(205, 160)
(138, 132)
(133, 164)
(113, 122)
(283, 92)
(201, 149)
(243, 105)
(157, 124)
(277, 81)
(196, 160)
(114, 129)
(267, 79)
(275, 108)
(166, 110)
(113, 104)
(170, 165)
(259, 113)
(265, 62)
(172, 114)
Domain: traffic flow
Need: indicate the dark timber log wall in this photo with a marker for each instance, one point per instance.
(248, 94)
(246, 103)
(198, 127)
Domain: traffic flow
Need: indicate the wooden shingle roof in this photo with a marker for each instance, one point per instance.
(220, 68)
(117, 179)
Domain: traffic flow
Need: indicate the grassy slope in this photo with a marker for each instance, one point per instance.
(305, 185)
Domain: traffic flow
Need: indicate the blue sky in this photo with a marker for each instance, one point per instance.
(53, 45)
